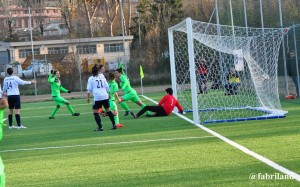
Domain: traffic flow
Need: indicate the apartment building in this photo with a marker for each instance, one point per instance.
(108, 48)
(18, 14)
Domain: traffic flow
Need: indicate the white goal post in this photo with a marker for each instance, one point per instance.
(223, 73)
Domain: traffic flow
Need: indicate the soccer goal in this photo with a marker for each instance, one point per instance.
(223, 73)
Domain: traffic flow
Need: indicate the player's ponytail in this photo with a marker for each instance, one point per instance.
(120, 70)
(95, 71)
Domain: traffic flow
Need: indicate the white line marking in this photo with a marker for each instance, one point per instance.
(66, 114)
(102, 144)
(267, 161)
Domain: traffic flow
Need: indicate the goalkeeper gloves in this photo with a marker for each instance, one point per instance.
(69, 91)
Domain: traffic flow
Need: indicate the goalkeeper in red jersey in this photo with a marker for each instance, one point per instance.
(164, 107)
(56, 87)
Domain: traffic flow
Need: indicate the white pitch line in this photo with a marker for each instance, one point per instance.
(103, 144)
(66, 114)
(265, 160)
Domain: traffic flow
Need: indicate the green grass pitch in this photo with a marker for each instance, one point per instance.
(164, 151)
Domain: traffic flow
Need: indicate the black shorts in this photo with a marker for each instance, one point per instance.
(99, 104)
(14, 102)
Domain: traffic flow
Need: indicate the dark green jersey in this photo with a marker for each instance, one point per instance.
(55, 86)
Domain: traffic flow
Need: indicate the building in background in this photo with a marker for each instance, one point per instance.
(108, 50)
(18, 14)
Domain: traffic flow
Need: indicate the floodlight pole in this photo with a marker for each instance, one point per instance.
(123, 34)
(32, 51)
(283, 53)
(245, 15)
(296, 58)
(138, 14)
(79, 70)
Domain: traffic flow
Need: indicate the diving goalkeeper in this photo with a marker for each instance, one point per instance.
(164, 107)
(56, 87)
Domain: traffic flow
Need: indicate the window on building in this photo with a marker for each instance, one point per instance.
(19, 23)
(58, 50)
(26, 23)
(113, 48)
(23, 53)
(86, 49)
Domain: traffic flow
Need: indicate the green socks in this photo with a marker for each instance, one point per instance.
(70, 109)
(124, 106)
(117, 119)
(54, 112)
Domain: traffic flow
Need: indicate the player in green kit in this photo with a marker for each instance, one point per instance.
(129, 93)
(56, 87)
(113, 95)
(3, 105)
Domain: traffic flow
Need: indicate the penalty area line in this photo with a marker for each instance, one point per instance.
(261, 158)
(103, 144)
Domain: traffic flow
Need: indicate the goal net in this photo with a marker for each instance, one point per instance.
(223, 73)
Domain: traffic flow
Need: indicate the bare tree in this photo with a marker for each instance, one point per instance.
(198, 9)
(129, 16)
(8, 21)
(123, 18)
(90, 9)
(111, 10)
(38, 14)
(68, 14)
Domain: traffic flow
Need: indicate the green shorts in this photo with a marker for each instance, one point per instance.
(131, 96)
(59, 100)
(112, 105)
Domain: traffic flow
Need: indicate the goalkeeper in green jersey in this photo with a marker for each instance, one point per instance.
(113, 95)
(129, 93)
(55, 94)
(3, 105)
